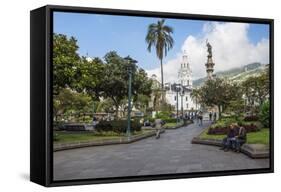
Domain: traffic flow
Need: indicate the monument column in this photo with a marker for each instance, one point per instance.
(210, 64)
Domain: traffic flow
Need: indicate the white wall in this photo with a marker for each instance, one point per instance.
(14, 102)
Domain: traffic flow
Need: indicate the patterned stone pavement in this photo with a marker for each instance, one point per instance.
(172, 153)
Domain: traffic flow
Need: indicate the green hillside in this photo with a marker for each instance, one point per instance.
(236, 74)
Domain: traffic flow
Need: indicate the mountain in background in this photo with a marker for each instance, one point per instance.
(236, 74)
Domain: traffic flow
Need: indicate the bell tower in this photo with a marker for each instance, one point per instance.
(184, 74)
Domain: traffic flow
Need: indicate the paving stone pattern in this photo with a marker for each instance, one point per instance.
(172, 153)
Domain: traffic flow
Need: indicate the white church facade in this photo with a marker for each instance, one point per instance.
(179, 93)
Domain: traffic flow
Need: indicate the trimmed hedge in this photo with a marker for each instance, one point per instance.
(118, 126)
(170, 120)
(251, 118)
(224, 130)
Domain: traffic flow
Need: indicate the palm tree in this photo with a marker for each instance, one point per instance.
(159, 35)
(195, 95)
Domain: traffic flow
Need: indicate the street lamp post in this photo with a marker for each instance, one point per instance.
(182, 94)
(128, 131)
(178, 90)
(130, 64)
(177, 107)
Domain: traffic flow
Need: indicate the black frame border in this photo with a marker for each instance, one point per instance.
(47, 145)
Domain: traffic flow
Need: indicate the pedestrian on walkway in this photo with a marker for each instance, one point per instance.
(158, 126)
(215, 117)
(210, 116)
(200, 117)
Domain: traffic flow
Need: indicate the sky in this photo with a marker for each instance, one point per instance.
(234, 44)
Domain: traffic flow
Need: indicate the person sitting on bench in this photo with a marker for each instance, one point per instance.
(241, 138)
(228, 141)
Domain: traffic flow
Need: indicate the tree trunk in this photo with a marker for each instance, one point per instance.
(162, 78)
(116, 110)
(162, 85)
(219, 106)
(116, 107)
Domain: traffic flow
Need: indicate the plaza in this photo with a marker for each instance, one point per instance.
(109, 104)
(172, 153)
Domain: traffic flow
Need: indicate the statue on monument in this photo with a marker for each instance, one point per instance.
(209, 48)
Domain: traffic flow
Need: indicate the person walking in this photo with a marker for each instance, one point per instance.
(200, 116)
(210, 116)
(158, 126)
(215, 117)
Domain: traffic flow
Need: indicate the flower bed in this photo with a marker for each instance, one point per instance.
(223, 130)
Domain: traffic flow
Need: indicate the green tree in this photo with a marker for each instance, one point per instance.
(195, 95)
(141, 102)
(104, 105)
(219, 92)
(69, 102)
(159, 36)
(115, 79)
(264, 114)
(89, 77)
(256, 88)
(156, 95)
(65, 61)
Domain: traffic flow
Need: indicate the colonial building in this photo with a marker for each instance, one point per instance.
(179, 93)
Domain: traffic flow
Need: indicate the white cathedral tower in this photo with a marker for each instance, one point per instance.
(185, 73)
(181, 99)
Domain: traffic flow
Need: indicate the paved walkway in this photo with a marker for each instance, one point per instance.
(172, 153)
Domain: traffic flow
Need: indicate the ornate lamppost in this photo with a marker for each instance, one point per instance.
(182, 94)
(177, 89)
(130, 63)
(128, 132)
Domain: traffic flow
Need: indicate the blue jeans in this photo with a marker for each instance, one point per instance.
(228, 143)
(239, 143)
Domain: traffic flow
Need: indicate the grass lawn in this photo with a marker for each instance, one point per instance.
(260, 137)
(204, 135)
(69, 137)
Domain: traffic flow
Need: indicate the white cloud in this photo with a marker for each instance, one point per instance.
(231, 48)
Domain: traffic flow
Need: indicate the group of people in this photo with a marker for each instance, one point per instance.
(236, 137)
(199, 117)
(212, 116)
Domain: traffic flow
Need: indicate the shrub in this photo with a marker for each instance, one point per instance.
(56, 137)
(225, 122)
(118, 126)
(251, 118)
(264, 114)
(223, 130)
(150, 119)
(104, 126)
(163, 115)
(170, 120)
